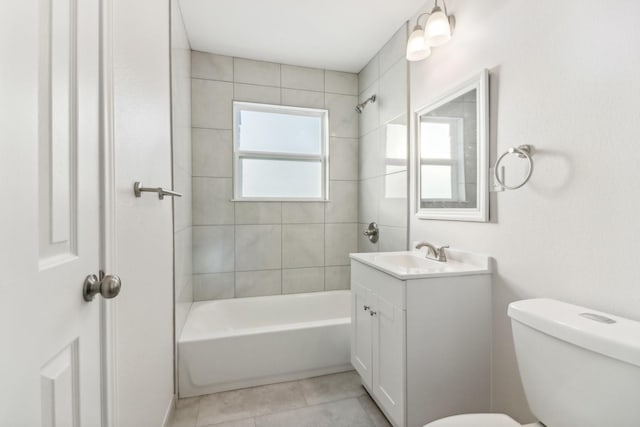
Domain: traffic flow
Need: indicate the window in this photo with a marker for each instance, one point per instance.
(280, 152)
(441, 174)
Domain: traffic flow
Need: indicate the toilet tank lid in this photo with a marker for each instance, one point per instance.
(594, 330)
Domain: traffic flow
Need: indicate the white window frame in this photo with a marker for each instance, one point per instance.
(455, 160)
(239, 154)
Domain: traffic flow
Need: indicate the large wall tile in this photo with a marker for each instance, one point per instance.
(369, 119)
(255, 93)
(370, 194)
(213, 286)
(211, 103)
(393, 92)
(213, 249)
(302, 98)
(302, 78)
(343, 120)
(369, 74)
(212, 152)
(212, 203)
(337, 278)
(340, 241)
(371, 155)
(258, 283)
(258, 247)
(256, 72)
(395, 239)
(303, 212)
(392, 208)
(343, 159)
(394, 50)
(343, 204)
(340, 82)
(209, 66)
(299, 280)
(302, 245)
(258, 212)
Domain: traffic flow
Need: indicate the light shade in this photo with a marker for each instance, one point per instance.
(438, 30)
(417, 47)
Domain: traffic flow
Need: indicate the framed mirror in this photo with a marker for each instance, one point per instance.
(452, 141)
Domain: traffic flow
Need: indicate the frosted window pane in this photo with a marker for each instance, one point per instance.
(435, 182)
(280, 133)
(281, 178)
(436, 140)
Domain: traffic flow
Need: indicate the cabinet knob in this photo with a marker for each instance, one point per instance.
(366, 307)
(373, 313)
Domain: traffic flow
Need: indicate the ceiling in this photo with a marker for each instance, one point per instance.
(338, 35)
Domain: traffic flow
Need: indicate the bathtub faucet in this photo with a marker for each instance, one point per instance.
(438, 254)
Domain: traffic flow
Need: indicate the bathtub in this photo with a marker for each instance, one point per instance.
(243, 342)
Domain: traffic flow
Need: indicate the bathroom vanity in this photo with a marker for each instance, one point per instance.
(421, 333)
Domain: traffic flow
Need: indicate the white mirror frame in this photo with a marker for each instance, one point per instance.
(481, 212)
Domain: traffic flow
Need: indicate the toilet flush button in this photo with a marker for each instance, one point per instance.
(597, 318)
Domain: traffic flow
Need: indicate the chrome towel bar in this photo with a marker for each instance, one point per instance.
(138, 189)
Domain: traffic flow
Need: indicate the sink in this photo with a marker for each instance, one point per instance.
(414, 265)
(408, 261)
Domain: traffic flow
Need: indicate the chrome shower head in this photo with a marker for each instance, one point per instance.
(360, 107)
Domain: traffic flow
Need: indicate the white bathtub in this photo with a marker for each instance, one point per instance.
(236, 343)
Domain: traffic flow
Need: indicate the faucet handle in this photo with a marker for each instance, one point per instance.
(442, 256)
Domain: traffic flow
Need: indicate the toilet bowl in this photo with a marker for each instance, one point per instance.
(480, 420)
(590, 359)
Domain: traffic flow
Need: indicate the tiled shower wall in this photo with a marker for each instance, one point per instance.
(243, 249)
(181, 146)
(383, 147)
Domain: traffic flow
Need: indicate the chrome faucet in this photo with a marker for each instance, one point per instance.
(438, 254)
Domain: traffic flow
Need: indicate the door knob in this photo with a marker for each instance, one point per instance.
(107, 286)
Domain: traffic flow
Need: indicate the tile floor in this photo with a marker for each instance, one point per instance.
(336, 400)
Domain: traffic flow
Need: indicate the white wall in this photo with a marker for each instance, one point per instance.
(244, 249)
(181, 144)
(144, 232)
(564, 78)
(382, 147)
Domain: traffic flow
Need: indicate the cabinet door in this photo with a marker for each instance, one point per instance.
(389, 358)
(361, 321)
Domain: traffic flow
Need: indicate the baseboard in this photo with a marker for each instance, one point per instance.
(170, 410)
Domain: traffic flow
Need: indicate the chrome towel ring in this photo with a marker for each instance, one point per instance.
(522, 151)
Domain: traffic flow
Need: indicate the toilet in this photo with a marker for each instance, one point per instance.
(579, 368)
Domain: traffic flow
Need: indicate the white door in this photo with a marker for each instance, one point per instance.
(49, 215)
(389, 357)
(361, 332)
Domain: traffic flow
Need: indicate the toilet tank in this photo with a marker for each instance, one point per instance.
(579, 367)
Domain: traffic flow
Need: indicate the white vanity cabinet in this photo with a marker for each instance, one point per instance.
(421, 345)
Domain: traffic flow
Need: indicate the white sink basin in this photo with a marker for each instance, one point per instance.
(414, 265)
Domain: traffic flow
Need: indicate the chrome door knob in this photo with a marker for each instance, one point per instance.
(107, 286)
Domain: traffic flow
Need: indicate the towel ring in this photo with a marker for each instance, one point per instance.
(524, 152)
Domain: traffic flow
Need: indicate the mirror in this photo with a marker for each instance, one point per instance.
(452, 154)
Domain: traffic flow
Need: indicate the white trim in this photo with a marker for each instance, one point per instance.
(168, 415)
(481, 213)
(322, 157)
(108, 324)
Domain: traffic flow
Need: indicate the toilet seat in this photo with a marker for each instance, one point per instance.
(476, 420)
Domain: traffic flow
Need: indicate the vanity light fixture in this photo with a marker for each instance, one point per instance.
(437, 31)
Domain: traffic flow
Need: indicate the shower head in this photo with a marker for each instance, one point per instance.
(360, 107)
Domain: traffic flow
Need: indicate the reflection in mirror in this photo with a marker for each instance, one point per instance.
(395, 184)
(452, 168)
